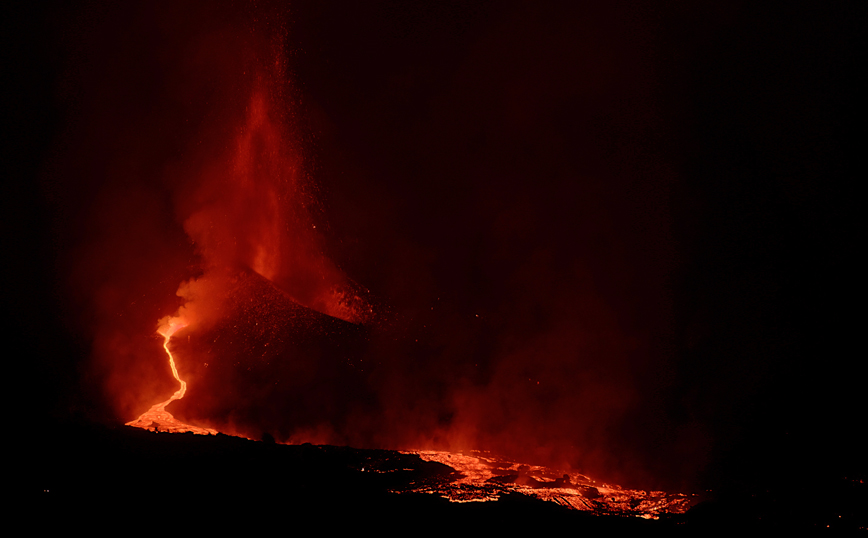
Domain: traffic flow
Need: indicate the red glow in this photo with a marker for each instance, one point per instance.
(265, 332)
(578, 259)
(252, 210)
(248, 208)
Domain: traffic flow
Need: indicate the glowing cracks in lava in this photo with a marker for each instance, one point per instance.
(484, 477)
(157, 418)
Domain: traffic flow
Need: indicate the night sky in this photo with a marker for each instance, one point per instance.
(621, 233)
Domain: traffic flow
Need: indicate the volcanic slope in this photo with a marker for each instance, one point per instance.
(270, 365)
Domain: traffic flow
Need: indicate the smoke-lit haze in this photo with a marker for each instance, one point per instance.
(569, 235)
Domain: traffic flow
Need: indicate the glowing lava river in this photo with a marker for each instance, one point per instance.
(466, 477)
(157, 418)
(482, 477)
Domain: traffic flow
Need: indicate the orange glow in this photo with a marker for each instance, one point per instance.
(251, 208)
(485, 477)
(244, 204)
(241, 193)
(157, 418)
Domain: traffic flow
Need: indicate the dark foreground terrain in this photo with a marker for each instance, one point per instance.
(91, 475)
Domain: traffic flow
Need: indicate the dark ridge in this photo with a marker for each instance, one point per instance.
(209, 481)
(270, 364)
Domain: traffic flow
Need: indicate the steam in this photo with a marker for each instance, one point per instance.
(250, 210)
(183, 167)
(179, 166)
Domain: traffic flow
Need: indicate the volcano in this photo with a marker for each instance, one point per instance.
(612, 239)
(269, 364)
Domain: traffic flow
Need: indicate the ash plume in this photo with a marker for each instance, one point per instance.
(604, 237)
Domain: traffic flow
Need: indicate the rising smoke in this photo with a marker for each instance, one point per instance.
(524, 307)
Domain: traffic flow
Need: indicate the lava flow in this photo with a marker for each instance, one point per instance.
(157, 418)
(483, 477)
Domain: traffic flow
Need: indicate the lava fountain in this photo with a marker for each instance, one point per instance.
(243, 199)
(277, 339)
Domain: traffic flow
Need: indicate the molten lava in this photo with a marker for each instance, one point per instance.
(483, 477)
(157, 418)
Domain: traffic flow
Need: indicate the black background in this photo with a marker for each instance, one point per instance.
(682, 179)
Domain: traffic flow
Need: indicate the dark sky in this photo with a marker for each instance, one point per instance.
(622, 228)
